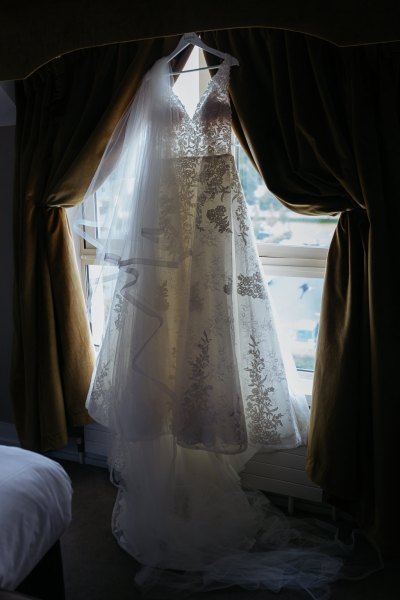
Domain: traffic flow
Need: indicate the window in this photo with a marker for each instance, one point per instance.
(292, 249)
(98, 297)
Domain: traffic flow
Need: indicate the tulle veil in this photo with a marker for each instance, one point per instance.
(180, 512)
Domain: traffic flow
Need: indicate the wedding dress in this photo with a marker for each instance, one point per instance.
(191, 377)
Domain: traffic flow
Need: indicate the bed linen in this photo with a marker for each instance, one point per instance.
(35, 510)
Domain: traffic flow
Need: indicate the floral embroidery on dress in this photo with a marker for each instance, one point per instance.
(167, 225)
(239, 423)
(212, 175)
(198, 392)
(171, 376)
(120, 308)
(228, 287)
(252, 285)
(99, 389)
(196, 399)
(213, 171)
(264, 420)
(201, 200)
(241, 215)
(196, 301)
(100, 393)
(161, 301)
(219, 217)
(176, 219)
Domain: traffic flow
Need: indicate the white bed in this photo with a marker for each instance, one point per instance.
(35, 510)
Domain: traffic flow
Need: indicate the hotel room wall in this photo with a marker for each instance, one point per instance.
(6, 267)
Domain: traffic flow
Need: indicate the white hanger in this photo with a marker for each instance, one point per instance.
(194, 40)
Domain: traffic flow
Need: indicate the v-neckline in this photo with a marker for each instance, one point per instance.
(207, 92)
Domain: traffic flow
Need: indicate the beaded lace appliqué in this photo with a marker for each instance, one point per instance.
(208, 132)
(264, 419)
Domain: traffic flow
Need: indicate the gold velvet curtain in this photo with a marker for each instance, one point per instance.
(323, 126)
(66, 112)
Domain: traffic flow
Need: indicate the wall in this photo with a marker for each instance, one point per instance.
(6, 266)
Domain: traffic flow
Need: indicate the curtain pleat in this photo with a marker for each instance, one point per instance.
(66, 112)
(322, 125)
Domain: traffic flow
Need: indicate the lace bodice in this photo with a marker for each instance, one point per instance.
(208, 132)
